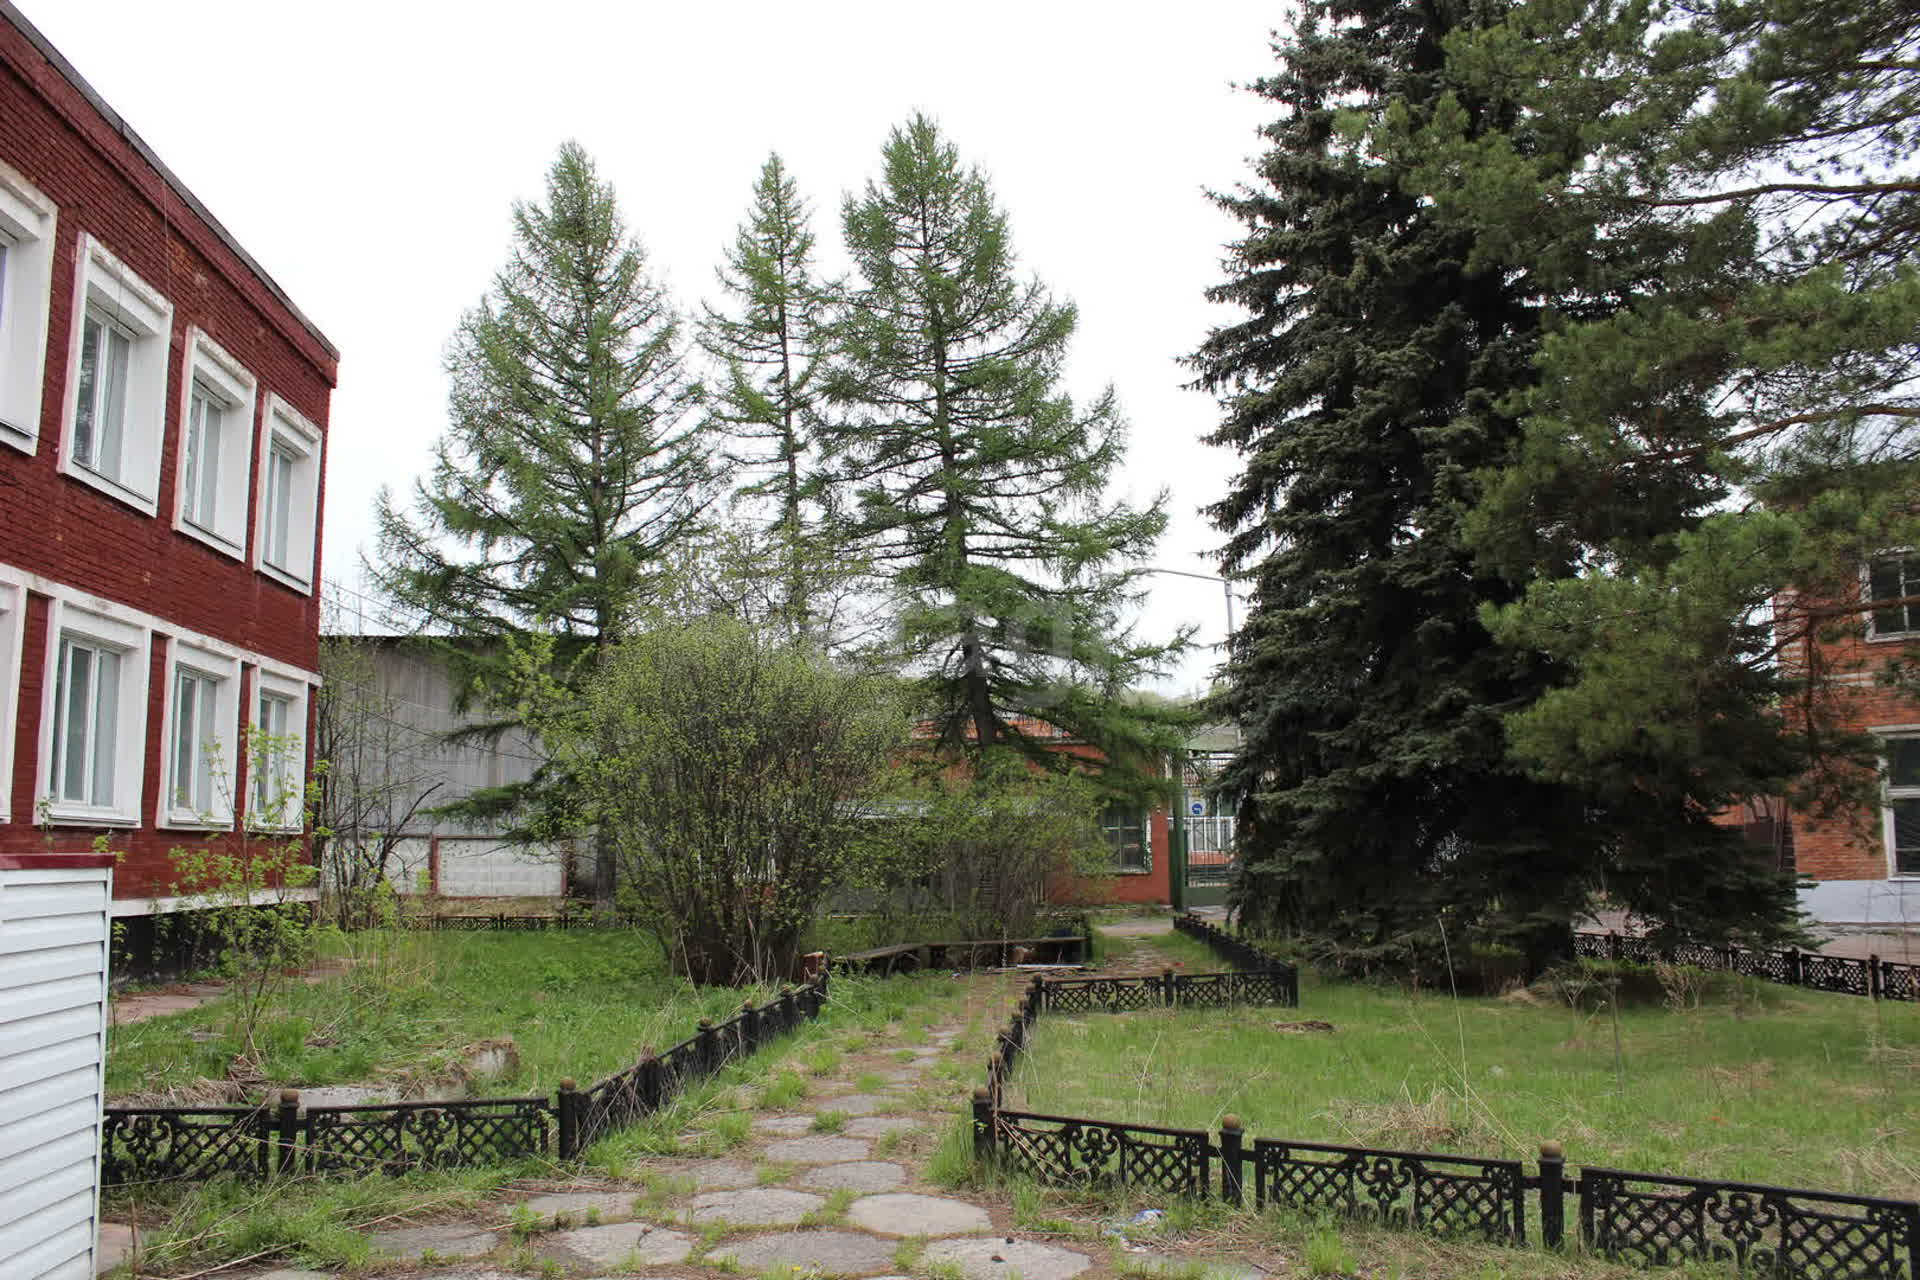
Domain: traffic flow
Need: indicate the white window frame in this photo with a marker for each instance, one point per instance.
(288, 427)
(219, 663)
(110, 628)
(209, 365)
(1874, 635)
(13, 637)
(1889, 793)
(105, 284)
(280, 682)
(27, 224)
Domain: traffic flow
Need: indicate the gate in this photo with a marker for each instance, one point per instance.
(1206, 833)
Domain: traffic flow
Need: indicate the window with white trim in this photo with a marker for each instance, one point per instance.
(26, 290)
(13, 610)
(117, 387)
(277, 753)
(216, 436)
(93, 742)
(1894, 578)
(289, 496)
(203, 726)
(1902, 816)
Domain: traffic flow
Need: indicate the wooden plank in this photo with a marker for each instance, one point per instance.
(69, 1150)
(55, 898)
(45, 966)
(71, 992)
(73, 1085)
(66, 1254)
(54, 931)
(29, 1034)
(45, 1205)
(41, 1128)
(17, 1070)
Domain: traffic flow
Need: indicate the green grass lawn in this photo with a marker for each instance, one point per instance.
(1758, 1082)
(577, 1004)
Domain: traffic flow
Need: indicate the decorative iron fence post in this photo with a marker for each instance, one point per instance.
(709, 1055)
(789, 1016)
(1553, 1195)
(1873, 977)
(1796, 967)
(651, 1085)
(1037, 990)
(749, 1028)
(1166, 986)
(287, 1132)
(1232, 1155)
(982, 1124)
(568, 1118)
(1613, 945)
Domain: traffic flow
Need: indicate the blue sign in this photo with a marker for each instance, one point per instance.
(1198, 808)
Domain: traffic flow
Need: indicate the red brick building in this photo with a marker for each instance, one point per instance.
(163, 424)
(1865, 864)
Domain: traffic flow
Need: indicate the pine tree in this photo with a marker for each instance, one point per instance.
(1369, 385)
(768, 401)
(972, 482)
(571, 465)
(1718, 456)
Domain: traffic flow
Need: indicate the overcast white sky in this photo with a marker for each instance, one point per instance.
(367, 153)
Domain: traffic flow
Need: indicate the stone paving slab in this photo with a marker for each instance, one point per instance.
(613, 1245)
(860, 1175)
(757, 1207)
(839, 1253)
(996, 1259)
(817, 1149)
(877, 1126)
(905, 1214)
(614, 1206)
(285, 1273)
(782, 1126)
(716, 1175)
(860, 1104)
(459, 1240)
(117, 1244)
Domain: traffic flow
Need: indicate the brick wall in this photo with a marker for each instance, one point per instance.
(106, 184)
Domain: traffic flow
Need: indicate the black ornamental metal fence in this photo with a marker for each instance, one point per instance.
(1844, 975)
(1652, 1219)
(156, 1144)
(501, 921)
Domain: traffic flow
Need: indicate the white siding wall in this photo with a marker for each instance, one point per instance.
(489, 869)
(53, 1016)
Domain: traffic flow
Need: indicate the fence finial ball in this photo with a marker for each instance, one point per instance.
(706, 1024)
(747, 1005)
(1229, 1121)
(980, 1093)
(1552, 1151)
(568, 1086)
(289, 1097)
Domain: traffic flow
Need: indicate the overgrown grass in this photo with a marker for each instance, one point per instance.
(317, 1222)
(576, 1005)
(1733, 1079)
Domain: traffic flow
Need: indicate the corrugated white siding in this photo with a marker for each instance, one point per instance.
(53, 1025)
(489, 869)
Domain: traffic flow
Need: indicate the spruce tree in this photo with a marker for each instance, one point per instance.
(571, 465)
(1368, 386)
(973, 483)
(772, 344)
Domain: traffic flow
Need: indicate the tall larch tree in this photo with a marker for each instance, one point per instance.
(770, 337)
(973, 482)
(1366, 389)
(571, 466)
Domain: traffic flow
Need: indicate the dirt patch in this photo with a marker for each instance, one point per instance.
(1307, 1026)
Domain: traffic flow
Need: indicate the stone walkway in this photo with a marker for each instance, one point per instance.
(832, 1183)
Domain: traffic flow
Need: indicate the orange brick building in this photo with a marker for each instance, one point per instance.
(1864, 864)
